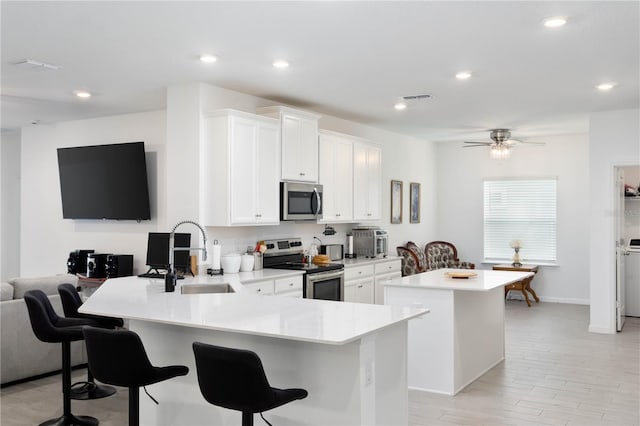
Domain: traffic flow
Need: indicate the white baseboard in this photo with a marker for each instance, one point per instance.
(601, 330)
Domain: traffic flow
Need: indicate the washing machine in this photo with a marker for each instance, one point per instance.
(632, 279)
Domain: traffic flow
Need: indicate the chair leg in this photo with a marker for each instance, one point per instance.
(68, 419)
(134, 406)
(247, 418)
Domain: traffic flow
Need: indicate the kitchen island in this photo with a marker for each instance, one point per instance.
(463, 335)
(350, 357)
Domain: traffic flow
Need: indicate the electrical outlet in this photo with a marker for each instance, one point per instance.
(368, 374)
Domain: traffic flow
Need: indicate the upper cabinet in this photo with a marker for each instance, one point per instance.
(336, 177)
(367, 174)
(299, 142)
(241, 168)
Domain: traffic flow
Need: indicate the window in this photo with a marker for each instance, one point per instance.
(522, 210)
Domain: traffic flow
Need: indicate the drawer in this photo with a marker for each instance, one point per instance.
(260, 287)
(356, 272)
(386, 267)
(291, 284)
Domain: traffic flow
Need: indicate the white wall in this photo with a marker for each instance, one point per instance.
(10, 201)
(614, 140)
(172, 144)
(46, 238)
(461, 172)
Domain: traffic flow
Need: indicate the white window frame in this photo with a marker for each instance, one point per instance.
(532, 217)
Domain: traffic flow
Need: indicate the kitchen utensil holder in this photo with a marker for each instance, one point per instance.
(257, 261)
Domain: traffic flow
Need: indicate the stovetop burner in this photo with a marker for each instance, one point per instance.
(301, 266)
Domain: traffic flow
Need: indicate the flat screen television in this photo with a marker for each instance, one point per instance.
(104, 182)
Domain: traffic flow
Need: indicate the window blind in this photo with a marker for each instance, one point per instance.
(522, 210)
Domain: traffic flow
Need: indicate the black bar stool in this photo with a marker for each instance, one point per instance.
(117, 357)
(71, 301)
(49, 327)
(235, 379)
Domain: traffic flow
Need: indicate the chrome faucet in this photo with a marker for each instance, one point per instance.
(172, 241)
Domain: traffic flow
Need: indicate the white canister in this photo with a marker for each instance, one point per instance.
(246, 263)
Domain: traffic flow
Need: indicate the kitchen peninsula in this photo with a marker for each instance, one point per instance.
(350, 357)
(463, 336)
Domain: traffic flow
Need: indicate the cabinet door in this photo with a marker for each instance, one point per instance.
(264, 288)
(379, 285)
(350, 294)
(290, 145)
(366, 182)
(308, 150)
(336, 177)
(299, 148)
(243, 170)
(267, 176)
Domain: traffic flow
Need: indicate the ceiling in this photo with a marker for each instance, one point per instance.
(353, 60)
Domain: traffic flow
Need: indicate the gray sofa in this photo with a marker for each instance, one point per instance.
(22, 354)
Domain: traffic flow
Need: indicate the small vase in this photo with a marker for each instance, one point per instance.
(516, 257)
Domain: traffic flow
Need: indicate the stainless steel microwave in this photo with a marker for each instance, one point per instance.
(300, 201)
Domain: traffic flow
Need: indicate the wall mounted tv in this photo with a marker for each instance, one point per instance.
(104, 182)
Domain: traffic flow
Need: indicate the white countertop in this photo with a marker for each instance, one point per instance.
(307, 320)
(485, 281)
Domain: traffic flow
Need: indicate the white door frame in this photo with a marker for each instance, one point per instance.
(620, 249)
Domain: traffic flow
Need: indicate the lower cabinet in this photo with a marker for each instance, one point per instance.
(287, 287)
(365, 283)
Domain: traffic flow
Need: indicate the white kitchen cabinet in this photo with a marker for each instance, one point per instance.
(264, 288)
(241, 157)
(299, 142)
(385, 271)
(336, 177)
(367, 185)
(289, 287)
(359, 291)
(359, 284)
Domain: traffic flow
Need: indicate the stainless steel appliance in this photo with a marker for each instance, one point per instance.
(319, 281)
(370, 242)
(632, 278)
(334, 251)
(300, 201)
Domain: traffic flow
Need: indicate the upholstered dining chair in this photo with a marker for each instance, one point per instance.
(442, 254)
(414, 260)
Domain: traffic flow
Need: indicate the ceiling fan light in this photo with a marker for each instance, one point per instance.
(500, 152)
(555, 21)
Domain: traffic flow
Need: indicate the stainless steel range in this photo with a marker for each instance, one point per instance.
(320, 281)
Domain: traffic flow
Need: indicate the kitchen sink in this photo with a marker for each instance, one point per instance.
(206, 288)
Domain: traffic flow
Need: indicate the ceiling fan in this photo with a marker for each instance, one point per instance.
(502, 143)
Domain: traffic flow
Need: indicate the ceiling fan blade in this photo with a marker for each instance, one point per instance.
(474, 146)
(533, 143)
(479, 143)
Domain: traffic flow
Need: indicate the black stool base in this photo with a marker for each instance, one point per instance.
(89, 390)
(71, 420)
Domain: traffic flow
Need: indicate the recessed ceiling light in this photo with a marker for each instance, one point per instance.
(556, 21)
(208, 59)
(82, 94)
(281, 64)
(463, 75)
(400, 106)
(605, 86)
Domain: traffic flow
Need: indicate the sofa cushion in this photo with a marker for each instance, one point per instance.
(47, 284)
(7, 292)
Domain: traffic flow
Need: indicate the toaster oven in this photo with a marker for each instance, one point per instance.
(370, 242)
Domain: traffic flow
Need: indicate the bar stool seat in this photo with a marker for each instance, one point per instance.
(71, 302)
(49, 327)
(118, 357)
(235, 379)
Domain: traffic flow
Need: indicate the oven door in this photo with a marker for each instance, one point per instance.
(324, 285)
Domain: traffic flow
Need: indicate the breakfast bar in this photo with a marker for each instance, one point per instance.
(352, 358)
(463, 335)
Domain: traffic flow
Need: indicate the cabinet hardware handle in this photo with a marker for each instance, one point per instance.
(290, 284)
(259, 290)
(301, 174)
(360, 286)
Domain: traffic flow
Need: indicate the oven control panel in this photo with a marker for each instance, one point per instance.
(283, 246)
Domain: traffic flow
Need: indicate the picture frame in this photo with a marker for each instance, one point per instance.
(414, 202)
(396, 201)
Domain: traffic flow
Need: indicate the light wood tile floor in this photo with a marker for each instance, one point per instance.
(555, 373)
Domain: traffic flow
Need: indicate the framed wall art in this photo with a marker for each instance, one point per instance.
(414, 202)
(396, 201)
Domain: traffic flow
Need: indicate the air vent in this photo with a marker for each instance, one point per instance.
(416, 97)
